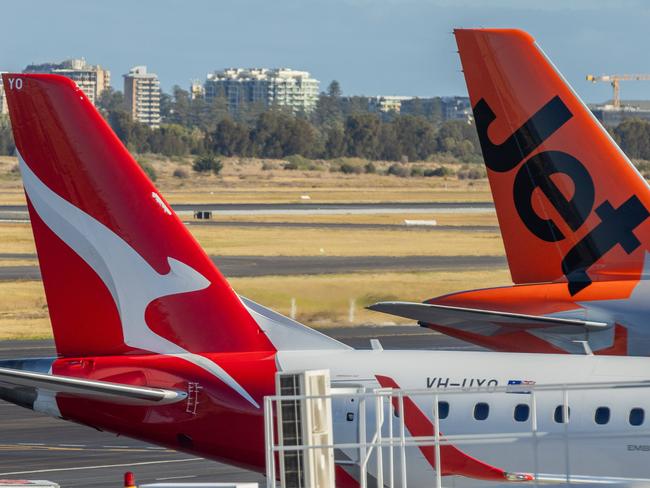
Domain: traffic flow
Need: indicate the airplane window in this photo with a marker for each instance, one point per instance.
(636, 416)
(443, 409)
(602, 415)
(522, 412)
(558, 416)
(481, 411)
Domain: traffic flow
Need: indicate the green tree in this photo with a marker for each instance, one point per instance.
(451, 138)
(334, 89)
(230, 138)
(416, 137)
(171, 140)
(206, 164)
(389, 147)
(362, 135)
(334, 146)
(633, 135)
(134, 135)
(278, 134)
(111, 100)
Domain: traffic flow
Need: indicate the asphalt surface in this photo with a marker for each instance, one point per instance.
(349, 226)
(18, 213)
(242, 266)
(34, 446)
(218, 207)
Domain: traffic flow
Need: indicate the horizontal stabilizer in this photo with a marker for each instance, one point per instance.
(90, 389)
(445, 315)
(589, 481)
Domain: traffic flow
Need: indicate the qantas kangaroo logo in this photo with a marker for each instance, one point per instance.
(130, 279)
(616, 224)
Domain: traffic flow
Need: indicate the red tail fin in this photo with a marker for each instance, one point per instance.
(570, 204)
(121, 272)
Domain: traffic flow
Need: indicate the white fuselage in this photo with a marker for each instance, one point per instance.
(582, 447)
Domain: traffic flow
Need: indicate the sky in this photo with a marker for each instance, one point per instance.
(372, 47)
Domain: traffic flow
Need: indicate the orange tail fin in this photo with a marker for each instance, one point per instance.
(570, 204)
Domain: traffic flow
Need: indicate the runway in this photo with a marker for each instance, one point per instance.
(217, 207)
(33, 446)
(247, 266)
(19, 212)
(349, 226)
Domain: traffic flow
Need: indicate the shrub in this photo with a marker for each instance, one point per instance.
(181, 173)
(351, 169)
(290, 166)
(370, 168)
(441, 171)
(398, 169)
(417, 171)
(296, 161)
(266, 166)
(149, 170)
(205, 164)
(474, 172)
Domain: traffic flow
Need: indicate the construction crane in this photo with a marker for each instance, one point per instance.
(615, 80)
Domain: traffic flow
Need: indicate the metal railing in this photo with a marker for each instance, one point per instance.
(389, 450)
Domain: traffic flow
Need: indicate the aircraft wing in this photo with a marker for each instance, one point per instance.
(448, 316)
(18, 383)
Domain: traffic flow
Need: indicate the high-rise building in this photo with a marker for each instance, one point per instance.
(457, 108)
(282, 87)
(142, 96)
(196, 90)
(92, 79)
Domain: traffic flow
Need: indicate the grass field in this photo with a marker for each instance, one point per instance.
(243, 181)
(321, 301)
(235, 241)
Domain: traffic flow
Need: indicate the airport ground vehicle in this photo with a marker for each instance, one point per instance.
(153, 343)
(572, 209)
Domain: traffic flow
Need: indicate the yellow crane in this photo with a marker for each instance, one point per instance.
(615, 80)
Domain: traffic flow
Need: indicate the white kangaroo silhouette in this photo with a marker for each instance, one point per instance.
(132, 282)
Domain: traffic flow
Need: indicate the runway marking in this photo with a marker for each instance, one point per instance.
(31, 444)
(79, 447)
(176, 477)
(105, 466)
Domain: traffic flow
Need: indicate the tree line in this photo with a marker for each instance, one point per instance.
(338, 127)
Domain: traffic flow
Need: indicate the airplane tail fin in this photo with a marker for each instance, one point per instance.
(121, 272)
(570, 204)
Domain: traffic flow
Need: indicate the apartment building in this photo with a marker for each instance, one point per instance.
(142, 96)
(283, 87)
(387, 104)
(92, 79)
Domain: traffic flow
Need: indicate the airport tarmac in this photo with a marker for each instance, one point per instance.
(34, 446)
(19, 212)
(243, 266)
(403, 207)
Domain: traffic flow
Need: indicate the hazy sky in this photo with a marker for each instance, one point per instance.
(373, 47)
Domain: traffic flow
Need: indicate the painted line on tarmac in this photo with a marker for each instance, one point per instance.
(79, 447)
(105, 466)
(176, 477)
